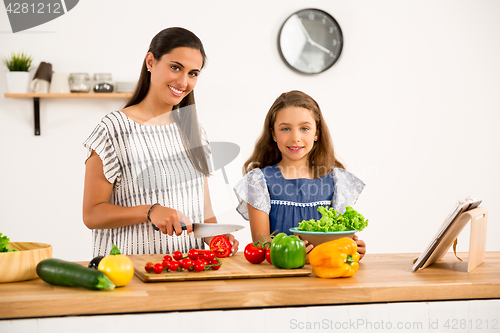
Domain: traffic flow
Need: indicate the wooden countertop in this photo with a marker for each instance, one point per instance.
(381, 278)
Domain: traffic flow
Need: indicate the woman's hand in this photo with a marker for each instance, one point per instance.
(234, 244)
(233, 241)
(361, 247)
(168, 220)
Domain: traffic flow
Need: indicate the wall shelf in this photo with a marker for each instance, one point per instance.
(36, 100)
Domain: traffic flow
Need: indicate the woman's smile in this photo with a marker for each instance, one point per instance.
(176, 92)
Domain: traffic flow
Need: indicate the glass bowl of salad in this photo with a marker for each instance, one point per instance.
(318, 237)
(332, 225)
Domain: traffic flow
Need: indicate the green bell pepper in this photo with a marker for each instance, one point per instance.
(288, 251)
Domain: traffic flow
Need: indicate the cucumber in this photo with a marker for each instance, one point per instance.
(65, 273)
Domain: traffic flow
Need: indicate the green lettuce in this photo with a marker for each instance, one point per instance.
(4, 244)
(331, 220)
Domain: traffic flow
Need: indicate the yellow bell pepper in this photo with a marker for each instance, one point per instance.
(117, 267)
(337, 258)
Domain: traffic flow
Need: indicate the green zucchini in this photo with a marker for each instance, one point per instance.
(65, 273)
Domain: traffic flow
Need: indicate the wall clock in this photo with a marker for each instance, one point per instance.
(310, 41)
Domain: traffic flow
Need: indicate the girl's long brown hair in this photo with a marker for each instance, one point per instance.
(164, 42)
(321, 158)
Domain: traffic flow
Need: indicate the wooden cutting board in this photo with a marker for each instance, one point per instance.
(235, 267)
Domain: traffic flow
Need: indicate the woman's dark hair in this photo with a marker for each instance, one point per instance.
(321, 158)
(164, 42)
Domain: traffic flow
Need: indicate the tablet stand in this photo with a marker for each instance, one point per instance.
(478, 218)
(477, 245)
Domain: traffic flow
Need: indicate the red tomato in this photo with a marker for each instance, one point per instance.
(215, 263)
(199, 266)
(158, 268)
(149, 267)
(209, 255)
(268, 255)
(177, 255)
(221, 246)
(174, 265)
(186, 263)
(255, 254)
(193, 254)
(167, 257)
(205, 262)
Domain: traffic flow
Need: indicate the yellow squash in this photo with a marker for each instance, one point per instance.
(117, 267)
(337, 258)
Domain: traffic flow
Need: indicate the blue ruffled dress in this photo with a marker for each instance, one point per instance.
(290, 201)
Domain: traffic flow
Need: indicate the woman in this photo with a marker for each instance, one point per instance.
(148, 163)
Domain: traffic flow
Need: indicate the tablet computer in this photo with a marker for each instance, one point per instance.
(446, 235)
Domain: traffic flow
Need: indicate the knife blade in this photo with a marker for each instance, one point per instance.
(201, 230)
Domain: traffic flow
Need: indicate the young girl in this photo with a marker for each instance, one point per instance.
(293, 170)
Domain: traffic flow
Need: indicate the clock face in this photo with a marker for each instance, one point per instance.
(310, 41)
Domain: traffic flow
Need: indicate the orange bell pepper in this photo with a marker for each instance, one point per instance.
(337, 258)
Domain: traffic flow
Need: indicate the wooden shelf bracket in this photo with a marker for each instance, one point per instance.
(36, 115)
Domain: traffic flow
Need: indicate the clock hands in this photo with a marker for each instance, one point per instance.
(309, 39)
(320, 47)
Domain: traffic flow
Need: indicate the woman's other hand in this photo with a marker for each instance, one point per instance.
(234, 244)
(361, 247)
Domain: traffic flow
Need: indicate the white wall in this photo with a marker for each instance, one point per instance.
(412, 104)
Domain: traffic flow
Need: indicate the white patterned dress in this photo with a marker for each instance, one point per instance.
(147, 165)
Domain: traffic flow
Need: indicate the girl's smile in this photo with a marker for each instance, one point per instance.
(295, 149)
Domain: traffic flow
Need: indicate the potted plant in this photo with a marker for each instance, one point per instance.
(18, 75)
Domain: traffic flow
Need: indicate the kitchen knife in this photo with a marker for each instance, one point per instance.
(201, 230)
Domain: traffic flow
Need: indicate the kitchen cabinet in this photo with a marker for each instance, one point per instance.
(36, 101)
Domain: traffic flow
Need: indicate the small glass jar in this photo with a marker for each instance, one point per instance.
(79, 82)
(103, 83)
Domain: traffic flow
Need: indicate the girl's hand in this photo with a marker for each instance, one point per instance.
(168, 220)
(361, 247)
(309, 248)
(234, 244)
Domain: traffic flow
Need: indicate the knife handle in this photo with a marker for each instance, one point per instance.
(183, 225)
